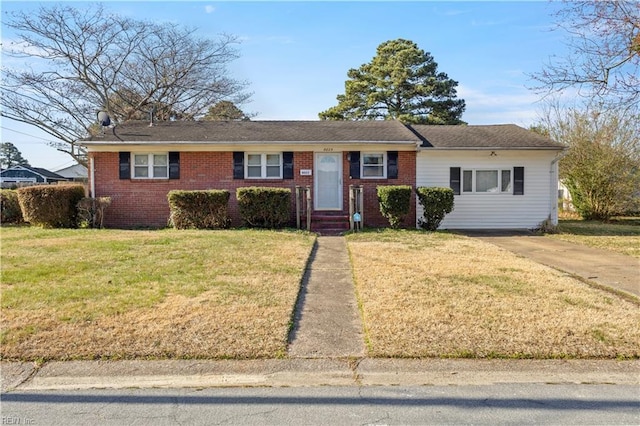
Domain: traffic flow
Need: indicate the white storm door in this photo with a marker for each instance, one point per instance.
(328, 181)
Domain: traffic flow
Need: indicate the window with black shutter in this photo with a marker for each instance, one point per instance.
(238, 165)
(454, 179)
(125, 165)
(518, 181)
(174, 165)
(287, 165)
(392, 164)
(354, 165)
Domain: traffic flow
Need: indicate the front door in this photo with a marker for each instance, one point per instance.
(328, 181)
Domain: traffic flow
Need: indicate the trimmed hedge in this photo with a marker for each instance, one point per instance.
(51, 206)
(395, 203)
(199, 209)
(437, 203)
(10, 207)
(264, 207)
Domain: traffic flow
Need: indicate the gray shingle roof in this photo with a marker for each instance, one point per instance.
(505, 136)
(258, 131)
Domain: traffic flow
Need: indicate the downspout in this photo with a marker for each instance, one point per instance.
(553, 183)
(92, 175)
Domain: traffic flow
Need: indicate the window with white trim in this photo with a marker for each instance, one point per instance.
(373, 165)
(151, 166)
(487, 181)
(263, 166)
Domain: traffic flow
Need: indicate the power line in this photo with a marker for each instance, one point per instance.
(27, 134)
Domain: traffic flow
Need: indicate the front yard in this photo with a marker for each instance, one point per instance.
(93, 294)
(442, 295)
(86, 294)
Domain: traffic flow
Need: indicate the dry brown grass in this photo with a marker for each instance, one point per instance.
(84, 294)
(435, 295)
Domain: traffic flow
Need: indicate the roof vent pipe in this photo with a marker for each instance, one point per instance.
(151, 112)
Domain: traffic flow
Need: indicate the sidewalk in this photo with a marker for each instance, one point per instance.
(69, 375)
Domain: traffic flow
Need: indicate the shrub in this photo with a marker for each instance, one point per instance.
(51, 206)
(437, 203)
(199, 209)
(10, 207)
(91, 211)
(395, 203)
(264, 207)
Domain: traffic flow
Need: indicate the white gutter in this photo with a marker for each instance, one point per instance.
(93, 178)
(553, 183)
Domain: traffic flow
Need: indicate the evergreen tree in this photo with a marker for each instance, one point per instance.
(401, 82)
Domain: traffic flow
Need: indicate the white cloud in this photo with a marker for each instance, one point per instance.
(209, 9)
(12, 47)
(486, 106)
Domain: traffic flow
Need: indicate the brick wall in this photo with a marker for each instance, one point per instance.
(406, 176)
(143, 203)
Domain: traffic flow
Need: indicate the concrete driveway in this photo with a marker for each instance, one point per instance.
(602, 267)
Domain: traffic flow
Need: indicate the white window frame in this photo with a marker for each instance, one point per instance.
(474, 190)
(150, 165)
(263, 165)
(384, 165)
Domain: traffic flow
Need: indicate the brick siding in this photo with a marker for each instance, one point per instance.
(143, 203)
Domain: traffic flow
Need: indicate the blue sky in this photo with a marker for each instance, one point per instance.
(296, 55)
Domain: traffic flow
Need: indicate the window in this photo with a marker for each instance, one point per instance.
(150, 166)
(373, 165)
(486, 181)
(263, 166)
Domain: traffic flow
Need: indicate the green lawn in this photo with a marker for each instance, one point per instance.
(122, 294)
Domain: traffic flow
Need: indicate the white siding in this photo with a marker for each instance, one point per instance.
(494, 211)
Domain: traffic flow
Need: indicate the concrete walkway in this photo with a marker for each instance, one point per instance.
(327, 321)
(600, 266)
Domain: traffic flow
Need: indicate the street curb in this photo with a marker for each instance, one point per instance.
(79, 375)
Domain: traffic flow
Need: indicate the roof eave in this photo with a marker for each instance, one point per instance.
(494, 148)
(155, 143)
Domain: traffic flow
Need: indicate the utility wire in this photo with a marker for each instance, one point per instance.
(27, 134)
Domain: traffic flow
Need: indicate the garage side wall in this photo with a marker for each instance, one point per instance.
(494, 210)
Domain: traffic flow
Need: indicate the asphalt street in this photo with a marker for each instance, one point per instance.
(375, 405)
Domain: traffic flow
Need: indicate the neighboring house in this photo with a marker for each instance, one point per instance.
(564, 197)
(137, 165)
(28, 174)
(76, 173)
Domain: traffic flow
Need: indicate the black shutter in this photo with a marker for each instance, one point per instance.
(392, 164)
(238, 165)
(518, 181)
(174, 165)
(454, 179)
(354, 165)
(287, 165)
(125, 168)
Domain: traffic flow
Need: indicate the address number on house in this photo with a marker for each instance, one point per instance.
(305, 172)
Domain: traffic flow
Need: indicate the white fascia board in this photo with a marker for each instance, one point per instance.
(497, 148)
(244, 146)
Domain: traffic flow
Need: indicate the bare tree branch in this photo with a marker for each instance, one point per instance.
(604, 62)
(86, 60)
